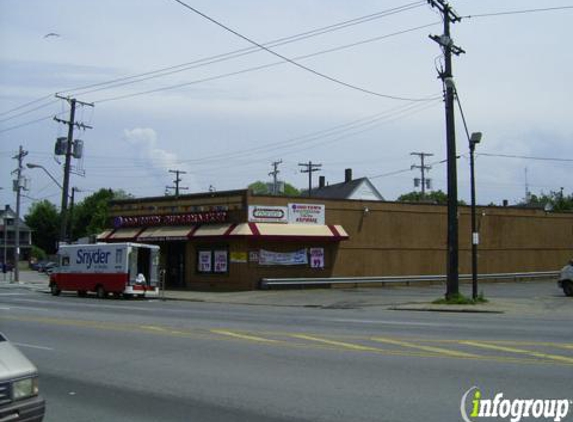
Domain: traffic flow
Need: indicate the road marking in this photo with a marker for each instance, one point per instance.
(519, 351)
(431, 349)
(243, 336)
(32, 346)
(343, 344)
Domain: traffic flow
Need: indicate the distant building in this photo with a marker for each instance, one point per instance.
(357, 189)
(8, 236)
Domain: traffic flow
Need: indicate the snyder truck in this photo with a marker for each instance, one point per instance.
(128, 269)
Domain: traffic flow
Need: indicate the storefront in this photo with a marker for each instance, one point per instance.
(231, 240)
(224, 242)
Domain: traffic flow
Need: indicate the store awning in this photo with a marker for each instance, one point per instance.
(213, 230)
(298, 231)
(128, 233)
(165, 233)
(272, 231)
(104, 235)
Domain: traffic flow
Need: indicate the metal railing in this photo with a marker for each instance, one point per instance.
(267, 283)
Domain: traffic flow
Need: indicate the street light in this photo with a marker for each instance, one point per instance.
(475, 139)
(38, 166)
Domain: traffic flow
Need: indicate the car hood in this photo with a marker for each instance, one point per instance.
(13, 364)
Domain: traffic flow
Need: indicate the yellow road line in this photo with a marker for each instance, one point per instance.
(243, 336)
(351, 346)
(519, 351)
(432, 349)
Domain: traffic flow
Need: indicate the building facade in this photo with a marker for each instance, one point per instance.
(231, 240)
(8, 237)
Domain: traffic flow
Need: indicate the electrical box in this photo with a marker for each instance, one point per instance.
(78, 148)
(61, 147)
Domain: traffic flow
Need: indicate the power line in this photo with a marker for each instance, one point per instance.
(517, 12)
(51, 116)
(241, 52)
(269, 65)
(291, 61)
(524, 157)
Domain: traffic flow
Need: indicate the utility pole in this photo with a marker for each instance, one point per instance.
(18, 186)
(275, 173)
(177, 181)
(446, 75)
(310, 168)
(72, 202)
(71, 123)
(423, 168)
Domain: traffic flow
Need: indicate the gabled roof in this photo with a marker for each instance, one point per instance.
(354, 189)
(8, 213)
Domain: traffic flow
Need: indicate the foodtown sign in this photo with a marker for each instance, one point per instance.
(170, 219)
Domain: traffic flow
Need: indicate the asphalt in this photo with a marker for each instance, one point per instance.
(538, 297)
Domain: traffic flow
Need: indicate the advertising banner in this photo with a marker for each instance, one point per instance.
(221, 262)
(299, 257)
(306, 214)
(204, 262)
(316, 257)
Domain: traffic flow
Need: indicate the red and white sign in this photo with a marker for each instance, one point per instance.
(171, 219)
(306, 214)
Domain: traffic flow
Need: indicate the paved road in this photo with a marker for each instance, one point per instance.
(113, 360)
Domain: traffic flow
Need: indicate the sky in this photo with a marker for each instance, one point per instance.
(167, 95)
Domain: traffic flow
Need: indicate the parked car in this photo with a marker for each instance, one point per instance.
(19, 397)
(566, 279)
(44, 265)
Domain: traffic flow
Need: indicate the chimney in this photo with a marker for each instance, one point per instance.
(505, 202)
(321, 181)
(347, 175)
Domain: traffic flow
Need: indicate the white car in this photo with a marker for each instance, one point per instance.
(566, 279)
(19, 398)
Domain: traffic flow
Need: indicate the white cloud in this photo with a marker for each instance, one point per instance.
(144, 142)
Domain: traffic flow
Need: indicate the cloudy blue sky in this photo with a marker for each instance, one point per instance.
(225, 118)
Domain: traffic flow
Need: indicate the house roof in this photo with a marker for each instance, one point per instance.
(8, 213)
(346, 190)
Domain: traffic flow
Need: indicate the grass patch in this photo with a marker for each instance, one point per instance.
(460, 299)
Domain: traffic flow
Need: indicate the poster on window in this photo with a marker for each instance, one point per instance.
(299, 257)
(221, 262)
(204, 262)
(316, 257)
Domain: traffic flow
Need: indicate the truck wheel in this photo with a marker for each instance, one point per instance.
(568, 288)
(54, 289)
(100, 292)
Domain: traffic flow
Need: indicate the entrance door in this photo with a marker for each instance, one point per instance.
(175, 265)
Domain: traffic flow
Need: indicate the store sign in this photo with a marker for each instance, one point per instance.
(238, 257)
(267, 214)
(316, 257)
(299, 257)
(306, 213)
(170, 220)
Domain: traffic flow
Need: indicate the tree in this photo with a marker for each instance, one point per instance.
(433, 197)
(91, 215)
(261, 188)
(554, 201)
(44, 219)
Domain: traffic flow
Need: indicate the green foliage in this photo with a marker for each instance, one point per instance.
(38, 253)
(91, 215)
(460, 299)
(556, 201)
(261, 188)
(433, 197)
(44, 219)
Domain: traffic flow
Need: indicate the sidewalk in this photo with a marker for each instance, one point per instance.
(411, 298)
